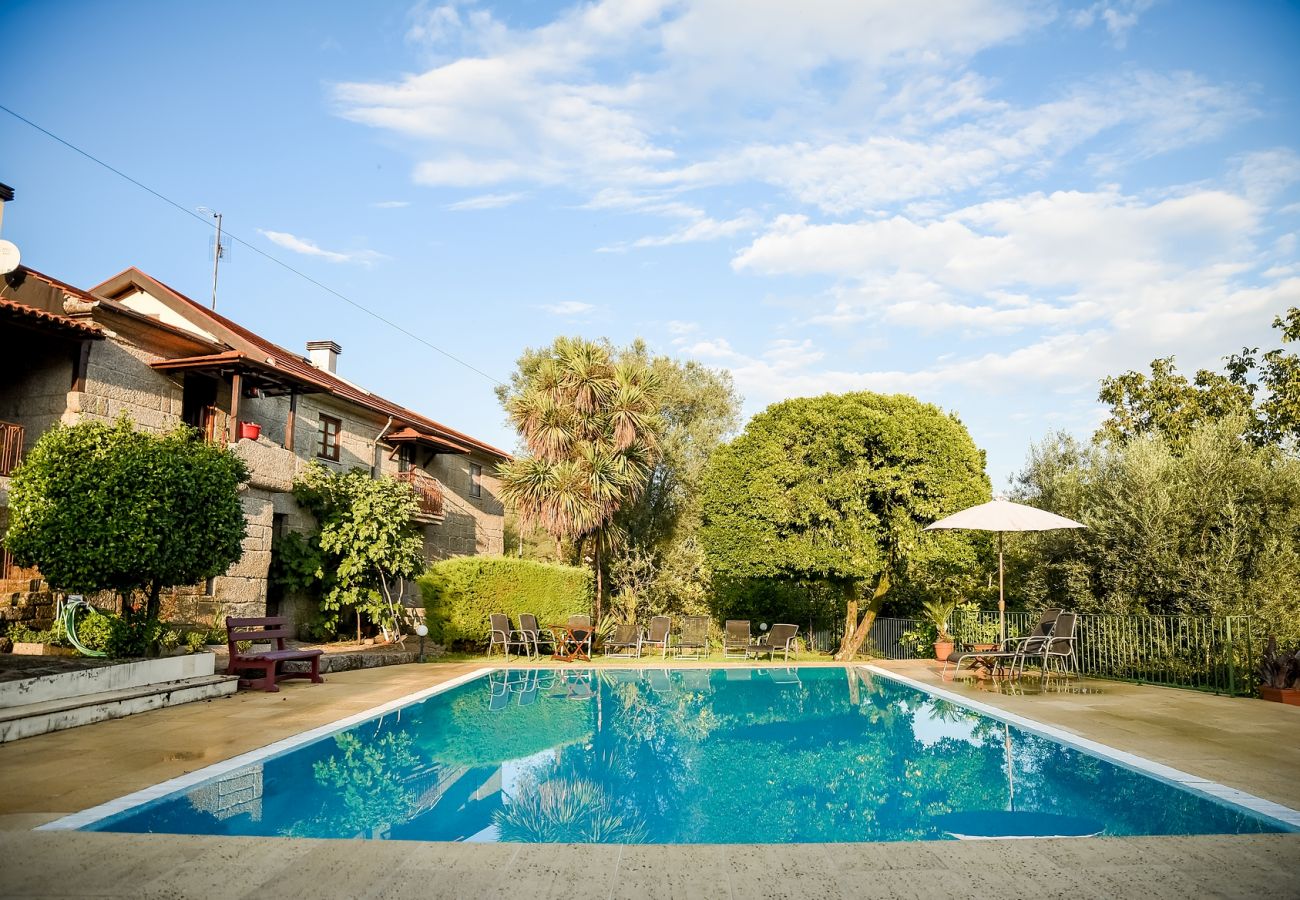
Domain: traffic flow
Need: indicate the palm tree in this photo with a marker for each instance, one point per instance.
(590, 425)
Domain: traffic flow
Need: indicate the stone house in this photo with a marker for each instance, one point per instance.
(132, 344)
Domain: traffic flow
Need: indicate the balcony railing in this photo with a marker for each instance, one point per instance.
(11, 447)
(428, 492)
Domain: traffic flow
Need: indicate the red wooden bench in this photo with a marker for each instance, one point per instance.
(268, 661)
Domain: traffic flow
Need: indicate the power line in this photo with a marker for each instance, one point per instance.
(260, 252)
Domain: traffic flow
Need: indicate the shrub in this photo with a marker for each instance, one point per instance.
(459, 594)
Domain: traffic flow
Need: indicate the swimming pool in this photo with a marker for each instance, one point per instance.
(736, 755)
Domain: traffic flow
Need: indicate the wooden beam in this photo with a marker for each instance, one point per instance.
(292, 421)
(236, 389)
(80, 365)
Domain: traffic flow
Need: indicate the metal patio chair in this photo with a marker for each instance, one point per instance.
(624, 642)
(538, 635)
(779, 639)
(693, 641)
(736, 639)
(1012, 649)
(657, 635)
(1058, 647)
(503, 636)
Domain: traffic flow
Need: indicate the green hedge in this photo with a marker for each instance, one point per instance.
(460, 594)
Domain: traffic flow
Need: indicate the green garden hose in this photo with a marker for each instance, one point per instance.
(76, 602)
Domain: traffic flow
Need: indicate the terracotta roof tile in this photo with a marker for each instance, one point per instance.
(302, 367)
(63, 324)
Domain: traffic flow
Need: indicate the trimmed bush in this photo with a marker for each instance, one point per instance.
(460, 594)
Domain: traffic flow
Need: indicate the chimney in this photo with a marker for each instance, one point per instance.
(324, 355)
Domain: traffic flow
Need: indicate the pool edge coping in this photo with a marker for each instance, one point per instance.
(79, 820)
(1193, 783)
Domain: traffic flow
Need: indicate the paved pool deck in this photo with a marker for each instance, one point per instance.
(1245, 744)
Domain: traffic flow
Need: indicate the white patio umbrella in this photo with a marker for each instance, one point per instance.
(1001, 515)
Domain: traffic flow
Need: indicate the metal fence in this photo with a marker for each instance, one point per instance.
(1195, 652)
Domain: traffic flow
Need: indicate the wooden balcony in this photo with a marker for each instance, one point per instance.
(11, 447)
(428, 492)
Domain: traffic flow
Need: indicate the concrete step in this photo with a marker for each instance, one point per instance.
(68, 712)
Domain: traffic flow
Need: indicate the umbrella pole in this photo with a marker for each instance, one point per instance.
(1002, 600)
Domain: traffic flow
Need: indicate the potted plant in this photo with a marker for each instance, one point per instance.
(1279, 674)
(937, 613)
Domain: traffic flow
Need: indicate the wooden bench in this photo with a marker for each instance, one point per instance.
(268, 661)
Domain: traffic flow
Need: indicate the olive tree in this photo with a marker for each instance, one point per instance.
(839, 488)
(99, 507)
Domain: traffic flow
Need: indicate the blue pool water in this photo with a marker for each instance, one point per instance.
(686, 756)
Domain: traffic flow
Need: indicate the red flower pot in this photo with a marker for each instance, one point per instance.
(249, 430)
(1290, 696)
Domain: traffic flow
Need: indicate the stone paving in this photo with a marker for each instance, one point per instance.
(1247, 744)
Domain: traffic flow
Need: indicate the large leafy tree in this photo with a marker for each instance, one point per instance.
(99, 506)
(367, 539)
(590, 425)
(839, 488)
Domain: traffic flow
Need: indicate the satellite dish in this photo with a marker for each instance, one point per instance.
(9, 257)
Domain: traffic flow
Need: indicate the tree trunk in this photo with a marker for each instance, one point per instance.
(600, 583)
(853, 640)
(850, 617)
(153, 606)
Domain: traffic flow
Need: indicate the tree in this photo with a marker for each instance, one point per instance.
(367, 537)
(698, 408)
(1208, 525)
(1166, 402)
(1278, 410)
(839, 487)
(1263, 391)
(99, 506)
(590, 424)
(660, 567)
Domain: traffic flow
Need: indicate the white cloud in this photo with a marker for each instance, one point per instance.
(1119, 16)
(567, 308)
(485, 201)
(309, 247)
(1065, 240)
(391, 204)
(1264, 175)
(599, 101)
(702, 229)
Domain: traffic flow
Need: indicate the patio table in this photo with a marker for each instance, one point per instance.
(568, 646)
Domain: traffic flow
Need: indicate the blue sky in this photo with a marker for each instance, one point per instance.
(987, 205)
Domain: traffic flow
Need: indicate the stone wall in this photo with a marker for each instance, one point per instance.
(33, 390)
(471, 525)
(119, 380)
(242, 590)
(32, 608)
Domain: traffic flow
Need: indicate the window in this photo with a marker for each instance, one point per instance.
(328, 434)
(404, 458)
(475, 480)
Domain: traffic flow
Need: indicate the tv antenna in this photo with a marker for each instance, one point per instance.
(218, 250)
